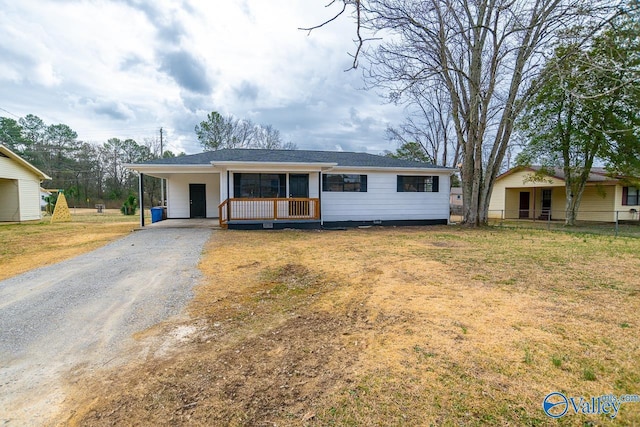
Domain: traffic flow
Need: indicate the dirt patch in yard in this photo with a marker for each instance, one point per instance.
(412, 326)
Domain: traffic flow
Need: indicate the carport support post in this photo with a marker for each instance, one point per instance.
(141, 198)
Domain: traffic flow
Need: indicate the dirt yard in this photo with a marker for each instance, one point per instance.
(393, 326)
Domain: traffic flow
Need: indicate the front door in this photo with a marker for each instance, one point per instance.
(299, 185)
(524, 204)
(197, 201)
(299, 188)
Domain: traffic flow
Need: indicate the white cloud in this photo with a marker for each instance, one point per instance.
(131, 66)
(46, 76)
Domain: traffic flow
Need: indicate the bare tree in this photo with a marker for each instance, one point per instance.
(485, 54)
(429, 124)
(267, 137)
(218, 132)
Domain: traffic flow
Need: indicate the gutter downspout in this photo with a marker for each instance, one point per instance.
(320, 196)
(141, 197)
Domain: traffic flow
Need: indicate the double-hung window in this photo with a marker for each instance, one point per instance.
(344, 182)
(259, 185)
(630, 196)
(418, 183)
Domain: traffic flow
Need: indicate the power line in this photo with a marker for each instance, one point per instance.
(7, 111)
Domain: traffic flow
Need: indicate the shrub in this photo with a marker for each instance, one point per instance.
(130, 205)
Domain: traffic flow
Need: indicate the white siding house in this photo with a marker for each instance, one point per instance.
(19, 188)
(250, 188)
(383, 202)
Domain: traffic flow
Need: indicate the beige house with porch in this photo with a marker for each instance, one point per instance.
(521, 194)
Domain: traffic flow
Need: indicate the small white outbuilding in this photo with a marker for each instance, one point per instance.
(19, 188)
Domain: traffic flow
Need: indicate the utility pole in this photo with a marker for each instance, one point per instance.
(161, 179)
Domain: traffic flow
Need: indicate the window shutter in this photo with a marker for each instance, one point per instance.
(363, 183)
(435, 186)
(400, 186)
(324, 183)
(625, 196)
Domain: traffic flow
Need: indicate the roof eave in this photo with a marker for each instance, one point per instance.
(164, 166)
(43, 176)
(257, 164)
(396, 168)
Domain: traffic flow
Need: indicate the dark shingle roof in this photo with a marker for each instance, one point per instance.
(342, 158)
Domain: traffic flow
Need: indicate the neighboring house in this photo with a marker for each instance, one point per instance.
(519, 193)
(251, 188)
(19, 188)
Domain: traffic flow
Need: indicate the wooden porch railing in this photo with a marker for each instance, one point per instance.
(294, 208)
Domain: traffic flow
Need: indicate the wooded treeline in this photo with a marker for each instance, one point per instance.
(89, 173)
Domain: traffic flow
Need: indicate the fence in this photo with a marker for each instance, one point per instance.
(617, 223)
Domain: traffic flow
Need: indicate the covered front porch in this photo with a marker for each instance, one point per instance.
(548, 203)
(245, 213)
(243, 197)
(536, 203)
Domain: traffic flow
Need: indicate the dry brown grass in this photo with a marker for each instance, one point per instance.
(30, 245)
(412, 326)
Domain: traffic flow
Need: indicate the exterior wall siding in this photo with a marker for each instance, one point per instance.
(382, 201)
(9, 169)
(29, 200)
(178, 193)
(598, 203)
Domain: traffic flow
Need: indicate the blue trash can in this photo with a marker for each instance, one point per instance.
(156, 214)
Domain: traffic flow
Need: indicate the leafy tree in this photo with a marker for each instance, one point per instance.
(11, 135)
(59, 155)
(88, 172)
(219, 132)
(34, 137)
(588, 110)
(411, 151)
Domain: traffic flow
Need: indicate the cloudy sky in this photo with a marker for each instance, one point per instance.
(126, 68)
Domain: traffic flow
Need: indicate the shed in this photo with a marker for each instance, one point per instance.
(19, 188)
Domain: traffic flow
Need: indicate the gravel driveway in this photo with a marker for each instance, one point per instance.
(80, 314)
